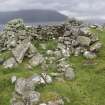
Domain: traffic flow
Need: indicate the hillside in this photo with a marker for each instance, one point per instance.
(31, 16)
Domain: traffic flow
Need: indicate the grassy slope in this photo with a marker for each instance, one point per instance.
(87, 89)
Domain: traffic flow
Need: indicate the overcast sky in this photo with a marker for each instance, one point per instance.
(81, 9)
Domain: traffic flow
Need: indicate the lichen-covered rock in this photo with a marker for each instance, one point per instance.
(95, 47)
(83, 40)
(31, 98)
(69, 73)
(20, 50)
(14, 25)
(20, 86)
(18, 103)
(47, 79)
(36, 60)
(10, 63)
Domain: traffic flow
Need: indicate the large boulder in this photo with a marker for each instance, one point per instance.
(20, 50)
(83, 40)
(69, 73)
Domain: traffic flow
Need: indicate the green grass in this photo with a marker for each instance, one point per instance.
(88, 88)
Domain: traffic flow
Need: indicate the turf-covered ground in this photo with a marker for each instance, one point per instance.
(88, 88)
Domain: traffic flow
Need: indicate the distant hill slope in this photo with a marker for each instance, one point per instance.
(30, 16)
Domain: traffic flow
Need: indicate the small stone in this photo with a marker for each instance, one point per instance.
(18, 103)
(77, 51)
(89, 55)
(31, 97)
(20, 86)
(95, 47)
(56, 102)
(69, 73)
(36, 60)
(66, 52)
(50, 52)
(61, 46)
(43, 104)
(13, 79)
(10, 63)
(46, 78)
(58, 54)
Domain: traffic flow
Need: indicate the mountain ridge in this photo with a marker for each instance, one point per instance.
(30, 16)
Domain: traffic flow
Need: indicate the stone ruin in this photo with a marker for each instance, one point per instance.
(72, 39)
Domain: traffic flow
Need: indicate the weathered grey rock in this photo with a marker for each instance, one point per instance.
(66, 52)
(62, 65)
(96, 46)
(75, 43)
(89, 55)
(23, 86)
(10, 63)
(36, 60)
(18, 103)
(85, 30)
(61, 39)
(61, 46)
(12, 43)
(56, 74)
(56, 102)
(31, 51)
(58, 54)
(84, 41)
(14, 24)
(31, 98)
(20, 86)
(69, 73)
(77, 51)
(35, 80)
(94, 38)
(20, 50)
(47, 79)
(50, 52)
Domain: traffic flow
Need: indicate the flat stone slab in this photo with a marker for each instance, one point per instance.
(20, 50)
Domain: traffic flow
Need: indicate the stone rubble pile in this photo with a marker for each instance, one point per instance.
(77, 40)
(25, 93)
(71, 39)
(24, 89)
